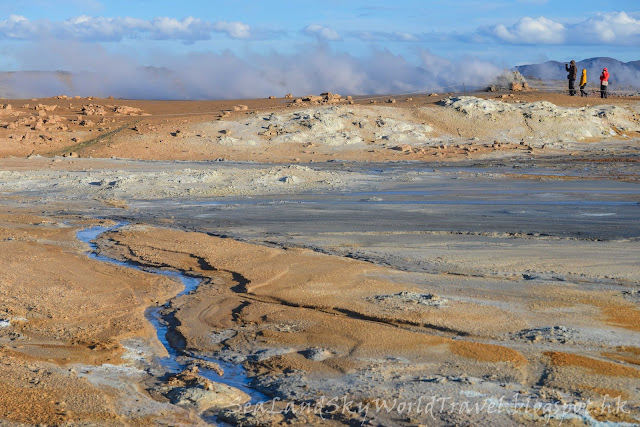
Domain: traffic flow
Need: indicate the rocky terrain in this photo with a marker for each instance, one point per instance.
(280, 130)
(431, 260)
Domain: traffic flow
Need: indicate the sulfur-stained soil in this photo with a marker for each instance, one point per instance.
(355, 261)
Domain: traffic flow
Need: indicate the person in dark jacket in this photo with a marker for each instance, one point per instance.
(573, 73)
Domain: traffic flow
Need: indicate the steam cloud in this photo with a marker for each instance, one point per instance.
(96, 72)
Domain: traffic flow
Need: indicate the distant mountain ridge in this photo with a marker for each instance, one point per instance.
(622, 73)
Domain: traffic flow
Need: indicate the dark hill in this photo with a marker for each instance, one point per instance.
(622, 73)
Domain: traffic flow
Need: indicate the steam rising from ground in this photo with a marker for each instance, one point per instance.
(92, 71)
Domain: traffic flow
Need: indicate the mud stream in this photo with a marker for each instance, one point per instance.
(234, 375)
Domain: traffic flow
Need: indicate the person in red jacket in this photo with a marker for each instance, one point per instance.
(604, 83)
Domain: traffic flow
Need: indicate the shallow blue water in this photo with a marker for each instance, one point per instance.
(234, 375)
(423, 202)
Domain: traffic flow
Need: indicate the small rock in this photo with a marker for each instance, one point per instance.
(406, 148)
(317, 354)
(290, 179)
(215, 395)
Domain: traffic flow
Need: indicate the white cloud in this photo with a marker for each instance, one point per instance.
(236, 30)
(322, 33)
(16, 26)
(611, 28)
(90, 28)
(405, 37)
(367, 36)
(532, 31)
(387, 36)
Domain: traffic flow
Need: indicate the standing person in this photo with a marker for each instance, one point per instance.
(573, 72)
(583, 82)
(604, 83)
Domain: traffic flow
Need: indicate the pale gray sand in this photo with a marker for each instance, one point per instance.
(528, 239)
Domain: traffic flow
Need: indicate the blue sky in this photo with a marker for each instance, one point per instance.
(81, 35)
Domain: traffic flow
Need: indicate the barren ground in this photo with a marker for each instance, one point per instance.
(460, 250)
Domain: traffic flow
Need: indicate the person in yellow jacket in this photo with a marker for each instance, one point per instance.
(583, 82)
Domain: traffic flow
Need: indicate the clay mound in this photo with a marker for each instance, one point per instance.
(327, 126)
(542, 119)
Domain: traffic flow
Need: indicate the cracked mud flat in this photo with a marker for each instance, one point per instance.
(498, 270)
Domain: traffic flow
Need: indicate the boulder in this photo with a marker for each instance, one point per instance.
(190, 390)
(39, 125)
(405, 148)
(42, 107)
(312, 98)
(210, 396)
(93, 110)
(273, 130)
(128, 111)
